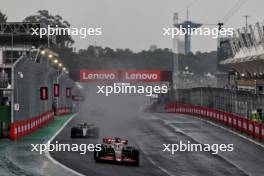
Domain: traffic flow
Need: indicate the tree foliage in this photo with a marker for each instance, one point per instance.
(3, 18)
(44, 17)
(95, 57)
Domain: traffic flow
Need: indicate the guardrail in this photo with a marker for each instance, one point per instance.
(235, 122)
(21, 128)
(63, 111)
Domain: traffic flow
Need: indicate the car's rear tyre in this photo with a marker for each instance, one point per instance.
(73, 135)
(137, 162)
(135, 154)
(96, 156)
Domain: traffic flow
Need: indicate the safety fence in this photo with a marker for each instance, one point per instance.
(237, 102)
(65, 100)
(35, 99)
(29, 78)
(234, 121)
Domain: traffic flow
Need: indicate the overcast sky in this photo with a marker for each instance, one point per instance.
(136, 24)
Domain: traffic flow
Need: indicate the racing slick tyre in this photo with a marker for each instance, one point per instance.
(137, 162)
(135, 154)
(73, 135)
(96, 156)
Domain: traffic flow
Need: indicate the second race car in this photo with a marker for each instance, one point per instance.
(83, 130)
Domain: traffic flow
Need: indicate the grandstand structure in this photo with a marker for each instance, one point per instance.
(242, 56)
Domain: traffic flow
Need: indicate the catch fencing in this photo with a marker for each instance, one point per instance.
(30, 111)
(233, 101)
(64, 100)
(29, 77)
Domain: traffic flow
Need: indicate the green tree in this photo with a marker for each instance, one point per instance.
(3, 18)
(44, 17)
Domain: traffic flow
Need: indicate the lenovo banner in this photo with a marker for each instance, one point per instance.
(141, 75)
(98, 75)
(125, 75)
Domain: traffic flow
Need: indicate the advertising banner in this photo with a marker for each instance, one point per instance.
(124, 75)
(98, 75)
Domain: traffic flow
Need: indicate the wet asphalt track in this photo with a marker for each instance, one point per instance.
(149, 132)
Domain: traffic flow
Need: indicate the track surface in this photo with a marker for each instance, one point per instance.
(119, 116)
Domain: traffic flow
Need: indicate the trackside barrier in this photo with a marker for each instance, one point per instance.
(235, 122)
(21, 128)
(24, 127)
(63, 111)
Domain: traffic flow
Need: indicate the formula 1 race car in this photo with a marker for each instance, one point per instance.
(117, 150)
(83, 130)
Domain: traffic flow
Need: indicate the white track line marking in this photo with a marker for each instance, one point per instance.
(154, 163)
(47, 154)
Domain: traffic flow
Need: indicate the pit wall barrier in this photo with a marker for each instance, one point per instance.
(63, 111)
(22, 128)
(233, 121)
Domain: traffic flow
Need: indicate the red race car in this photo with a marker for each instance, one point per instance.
(117, 150)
